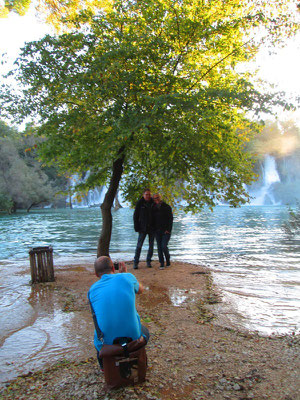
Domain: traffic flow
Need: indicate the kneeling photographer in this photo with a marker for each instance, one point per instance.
(112, 300)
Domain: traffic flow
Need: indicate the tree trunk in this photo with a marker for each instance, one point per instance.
(104, 240)
(35, 204)
(117, 203)
(70, 201)
(13, 208)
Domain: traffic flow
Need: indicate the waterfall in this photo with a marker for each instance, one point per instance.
(264, 195)
(93, 198)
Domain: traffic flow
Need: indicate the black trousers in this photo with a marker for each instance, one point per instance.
(162, 240)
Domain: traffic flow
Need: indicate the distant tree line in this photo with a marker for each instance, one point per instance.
(24, 181)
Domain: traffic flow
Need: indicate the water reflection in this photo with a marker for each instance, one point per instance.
(35, 331)
(179, 296)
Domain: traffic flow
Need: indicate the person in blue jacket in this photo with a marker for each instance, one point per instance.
(112, 299)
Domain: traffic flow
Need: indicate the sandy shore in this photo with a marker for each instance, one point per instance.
(193, 353)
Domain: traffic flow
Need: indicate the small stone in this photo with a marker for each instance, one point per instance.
(236, 386)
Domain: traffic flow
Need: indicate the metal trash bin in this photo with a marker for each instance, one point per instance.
(41, 264)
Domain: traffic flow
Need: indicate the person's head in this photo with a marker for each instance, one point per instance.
(147, 194)
(157, 198)
(103, 265)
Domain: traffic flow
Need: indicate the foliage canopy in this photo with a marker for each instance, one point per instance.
(153, 89)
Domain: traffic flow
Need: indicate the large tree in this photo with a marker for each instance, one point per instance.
(151, 93)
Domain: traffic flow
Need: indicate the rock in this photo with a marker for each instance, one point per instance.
(236, 387)
(223, 381)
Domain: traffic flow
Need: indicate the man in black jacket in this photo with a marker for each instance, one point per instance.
(163, 222)
(143, 224)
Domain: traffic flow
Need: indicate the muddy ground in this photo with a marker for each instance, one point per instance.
(193, 353)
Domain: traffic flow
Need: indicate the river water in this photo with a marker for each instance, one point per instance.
(253, 261)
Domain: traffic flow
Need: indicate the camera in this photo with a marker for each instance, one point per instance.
(116, 266)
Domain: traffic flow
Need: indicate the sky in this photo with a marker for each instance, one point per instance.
(281, 69)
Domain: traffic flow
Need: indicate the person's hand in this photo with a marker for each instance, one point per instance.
(122, 267)
(167, 232)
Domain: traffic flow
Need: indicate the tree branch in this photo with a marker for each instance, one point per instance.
(217, 63)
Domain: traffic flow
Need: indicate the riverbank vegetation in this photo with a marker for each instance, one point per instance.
(292, 225)
(24, 182)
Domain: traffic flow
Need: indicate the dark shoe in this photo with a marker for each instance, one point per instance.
(135, 266)
(161, 267)
(149, 265)
(168, 264)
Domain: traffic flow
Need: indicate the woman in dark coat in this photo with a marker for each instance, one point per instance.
(163, 222)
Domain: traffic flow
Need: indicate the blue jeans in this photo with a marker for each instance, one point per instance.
(141, 238)
(162, 240)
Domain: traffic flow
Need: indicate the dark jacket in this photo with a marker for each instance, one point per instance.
(163, 217)
(143, 216)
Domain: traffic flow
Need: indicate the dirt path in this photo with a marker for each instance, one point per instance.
(190, 355)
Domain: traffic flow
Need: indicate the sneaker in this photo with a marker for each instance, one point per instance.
(161, 267)
(135, 266)
(168, 264)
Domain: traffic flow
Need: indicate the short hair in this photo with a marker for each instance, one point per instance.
(146, 190)
(103, 265)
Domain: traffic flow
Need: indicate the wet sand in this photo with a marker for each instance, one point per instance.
(198, 349)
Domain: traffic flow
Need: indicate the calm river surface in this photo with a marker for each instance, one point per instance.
(254, 262)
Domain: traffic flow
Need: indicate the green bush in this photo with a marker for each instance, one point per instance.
(292, 226)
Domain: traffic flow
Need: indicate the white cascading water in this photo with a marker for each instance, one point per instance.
(261, 196)
(93, 198)
(270, 175)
